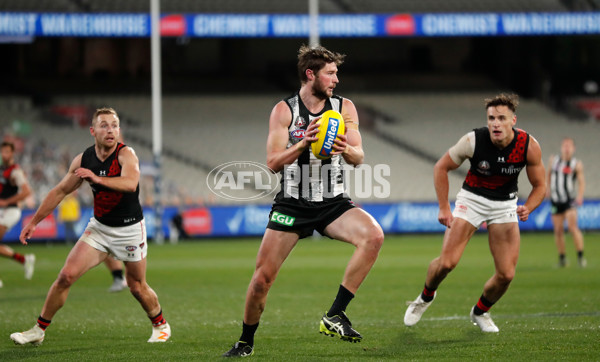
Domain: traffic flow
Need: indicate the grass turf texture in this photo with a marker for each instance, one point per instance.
(547, 314)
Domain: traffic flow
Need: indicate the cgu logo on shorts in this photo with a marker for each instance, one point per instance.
(242, 180)
(282, 219)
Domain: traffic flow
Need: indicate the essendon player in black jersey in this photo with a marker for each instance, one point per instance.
(497, 153)
(112, 170)
(13, 189)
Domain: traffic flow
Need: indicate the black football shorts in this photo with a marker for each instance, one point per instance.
(303, 217)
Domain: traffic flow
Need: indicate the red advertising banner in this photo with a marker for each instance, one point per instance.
(197, 221)
(46, 229)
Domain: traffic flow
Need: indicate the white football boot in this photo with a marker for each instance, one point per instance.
(415, 310)
(34, 336)
(161, 333)
(484, 322)
(118, 285)
(29, 266)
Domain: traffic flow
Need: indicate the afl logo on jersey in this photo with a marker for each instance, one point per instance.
(298, 133)
(130, 247)
(300, 122)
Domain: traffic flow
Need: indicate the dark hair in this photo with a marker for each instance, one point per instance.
(315, 59)
(103, 110)
(503, 99)
(8, 144)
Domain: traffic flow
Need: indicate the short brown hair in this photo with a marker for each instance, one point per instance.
(315, 59)
(503, 99)
(103, 110)
(8, 144)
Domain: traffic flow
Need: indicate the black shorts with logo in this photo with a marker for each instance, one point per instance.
(303, 217)
(561, 207)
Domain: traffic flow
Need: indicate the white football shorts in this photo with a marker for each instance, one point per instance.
(9, 216)
(126, 243)
(477, 209)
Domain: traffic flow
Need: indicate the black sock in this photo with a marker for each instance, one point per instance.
(482, 306)
(248, 333)
(580, 254)
(427, 294)
(117, 274)
(341, 301)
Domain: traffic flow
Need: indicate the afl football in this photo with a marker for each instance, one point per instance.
(331, 125)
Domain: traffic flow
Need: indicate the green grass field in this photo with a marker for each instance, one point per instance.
(547, 314)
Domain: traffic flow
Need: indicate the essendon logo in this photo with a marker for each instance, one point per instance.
(172, 25)
(401, 24)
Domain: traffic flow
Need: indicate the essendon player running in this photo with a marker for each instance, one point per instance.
(14, 188)
(117, 228)
(497, 154)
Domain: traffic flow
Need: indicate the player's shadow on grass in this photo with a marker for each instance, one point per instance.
(20, 353)
(416, 342)
(24, 298)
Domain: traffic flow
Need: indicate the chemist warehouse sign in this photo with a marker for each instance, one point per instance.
(289, 26)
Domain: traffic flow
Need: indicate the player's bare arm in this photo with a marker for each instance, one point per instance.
(442, 187)
(580, 183)
(68, 184)
(277, 154)
(350, 144)
(549, 175)
(536, 175)
(130, 173)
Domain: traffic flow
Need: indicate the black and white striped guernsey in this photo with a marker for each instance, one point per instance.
(309, 177)
(562, 180)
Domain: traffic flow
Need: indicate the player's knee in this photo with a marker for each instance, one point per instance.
(506, 277)
(447, 265)
(136, 288)
(371, 239)
(376, 238)
(65, 279)
(262, 282)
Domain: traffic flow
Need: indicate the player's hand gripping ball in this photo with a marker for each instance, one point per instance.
(331, 125)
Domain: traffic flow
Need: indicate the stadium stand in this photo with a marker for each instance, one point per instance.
(408, 132)
(420, 6)
(433, 122)
(293, 7)
(171, 6)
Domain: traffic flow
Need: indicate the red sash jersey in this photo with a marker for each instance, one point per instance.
(494, 173)
(112, 208)
(6, 189)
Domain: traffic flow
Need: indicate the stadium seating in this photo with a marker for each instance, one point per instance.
(291, 7)
(433, 122)
(423, 6)
(408, 133)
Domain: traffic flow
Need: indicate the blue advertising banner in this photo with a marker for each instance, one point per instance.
(251, 220)
(297, 25)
